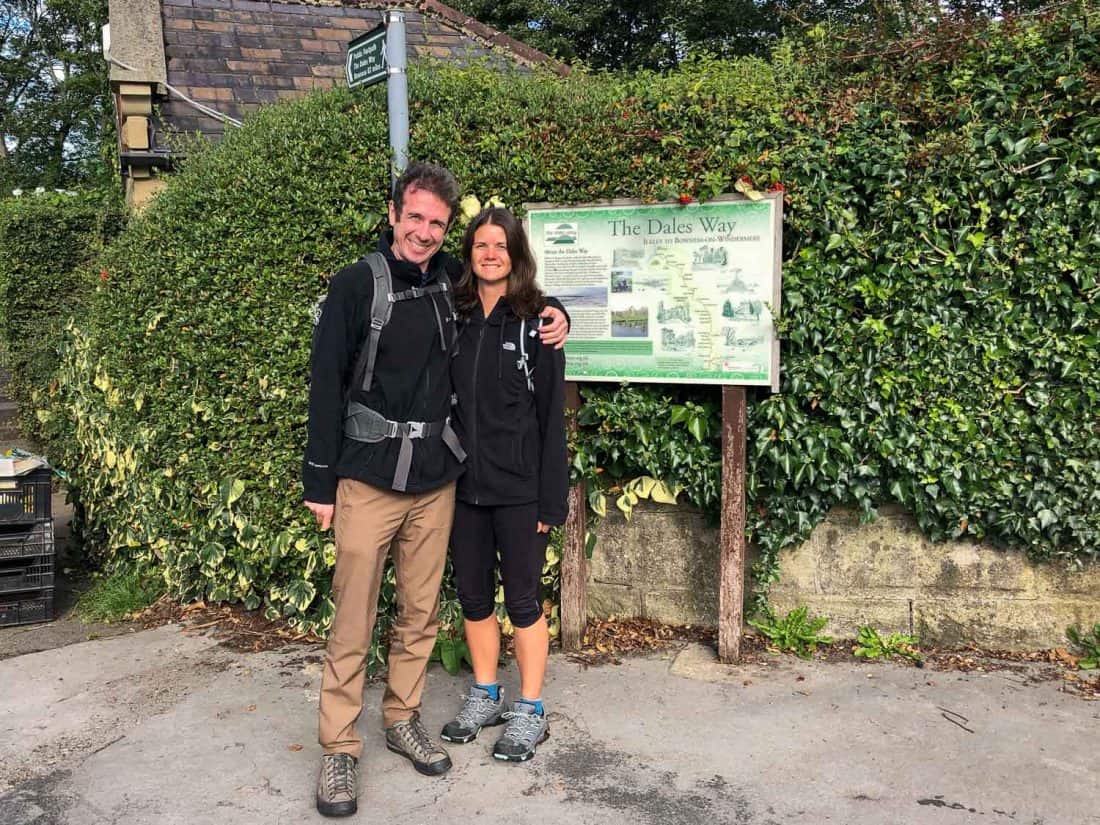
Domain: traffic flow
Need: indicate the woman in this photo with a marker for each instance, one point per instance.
(509, 415)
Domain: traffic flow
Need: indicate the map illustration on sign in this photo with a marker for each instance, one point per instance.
(665, 292)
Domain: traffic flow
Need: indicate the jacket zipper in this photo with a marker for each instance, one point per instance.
(474, 451)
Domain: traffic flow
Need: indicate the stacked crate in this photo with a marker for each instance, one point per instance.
(27, 554)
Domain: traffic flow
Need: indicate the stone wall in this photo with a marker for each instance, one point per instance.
(889, 575)
(663, 565)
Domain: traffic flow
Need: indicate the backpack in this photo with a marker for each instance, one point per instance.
(364, 424)
(381, 308)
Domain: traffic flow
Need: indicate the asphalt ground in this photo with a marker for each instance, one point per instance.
(168, 726)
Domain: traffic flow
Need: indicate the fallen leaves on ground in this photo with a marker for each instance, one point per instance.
(607, 641)
(246, 631)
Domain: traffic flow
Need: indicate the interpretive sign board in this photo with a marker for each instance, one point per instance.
(366, 60)
(665, 293)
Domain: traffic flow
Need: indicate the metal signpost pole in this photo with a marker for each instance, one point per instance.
(397, 92)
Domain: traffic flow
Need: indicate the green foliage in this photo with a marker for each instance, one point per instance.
(113, 597)
(794, 633)
(871, 645)
(55, 107)
(47, 244)
(938, 327)
(450, 648)
(1088, 642)
(631, 428)
(659, 34)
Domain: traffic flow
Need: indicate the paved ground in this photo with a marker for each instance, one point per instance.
(165, 727)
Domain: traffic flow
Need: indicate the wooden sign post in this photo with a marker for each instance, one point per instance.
(731, 565)
(574, 570)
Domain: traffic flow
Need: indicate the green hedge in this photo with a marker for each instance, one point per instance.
(940, 330)
(939, 320)
(47, 244)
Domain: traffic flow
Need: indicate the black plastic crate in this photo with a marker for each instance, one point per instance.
(34, 573)
(25, 541)
(26, 608)
(27, 498)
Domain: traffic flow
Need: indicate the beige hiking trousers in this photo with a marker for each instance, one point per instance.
(370, 523)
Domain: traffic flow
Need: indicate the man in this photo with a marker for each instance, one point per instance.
(381, 465)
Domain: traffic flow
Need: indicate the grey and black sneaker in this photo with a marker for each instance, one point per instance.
(336, 793)
(478, 711)
(526, 730)
(409, 739)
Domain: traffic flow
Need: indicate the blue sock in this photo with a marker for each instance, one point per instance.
(493, 690)
(536, 704)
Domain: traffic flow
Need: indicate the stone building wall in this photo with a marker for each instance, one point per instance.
(234, 56)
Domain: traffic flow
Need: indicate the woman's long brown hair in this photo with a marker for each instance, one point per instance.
(523, 296)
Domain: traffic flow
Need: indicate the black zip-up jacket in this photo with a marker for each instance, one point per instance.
(514, 437)
(411, 382)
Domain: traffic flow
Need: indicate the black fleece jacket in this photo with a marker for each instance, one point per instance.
(514, 436)
(412, 379)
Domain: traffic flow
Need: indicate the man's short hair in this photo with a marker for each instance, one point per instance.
(431, 178)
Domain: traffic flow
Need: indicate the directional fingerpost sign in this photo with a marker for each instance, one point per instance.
(366, 62)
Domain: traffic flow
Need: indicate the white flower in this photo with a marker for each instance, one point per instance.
(495, 201)
(40, 190)
(17, 192)
(469, 206)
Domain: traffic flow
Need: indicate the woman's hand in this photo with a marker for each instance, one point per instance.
(543, 528)
(556, 329)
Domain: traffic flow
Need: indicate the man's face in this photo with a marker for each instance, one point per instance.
(419, 230)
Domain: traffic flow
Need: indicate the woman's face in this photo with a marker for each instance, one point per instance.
(489, 255)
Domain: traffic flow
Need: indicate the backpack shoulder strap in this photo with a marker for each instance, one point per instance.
(380, 308)
(449, 298)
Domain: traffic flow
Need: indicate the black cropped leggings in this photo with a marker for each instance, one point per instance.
(478, 535)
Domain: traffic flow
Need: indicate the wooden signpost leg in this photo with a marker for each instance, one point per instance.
(574, 601)
(731, 577)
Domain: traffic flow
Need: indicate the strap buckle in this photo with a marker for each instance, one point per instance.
(416, 429)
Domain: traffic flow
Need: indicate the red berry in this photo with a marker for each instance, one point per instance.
(103, 275)
(685, 199)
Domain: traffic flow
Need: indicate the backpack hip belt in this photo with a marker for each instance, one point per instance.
(361, 423)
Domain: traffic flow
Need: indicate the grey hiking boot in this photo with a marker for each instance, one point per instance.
(526, 730)
(336, 792)
(478, 711)
(409, 739)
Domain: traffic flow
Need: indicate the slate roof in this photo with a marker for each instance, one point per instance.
(237, 55)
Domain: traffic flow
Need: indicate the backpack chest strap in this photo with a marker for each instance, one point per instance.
(417, 292)
(382, 306)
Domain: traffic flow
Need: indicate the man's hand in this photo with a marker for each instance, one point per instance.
(323, 513)
(556, 329)
(543, 528)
